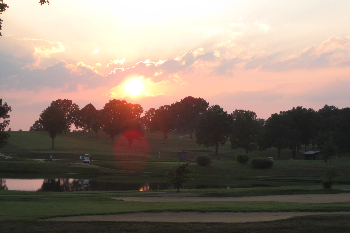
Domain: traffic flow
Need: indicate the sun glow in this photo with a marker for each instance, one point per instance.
(134, 86)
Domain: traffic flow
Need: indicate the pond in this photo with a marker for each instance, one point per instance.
(71, 185)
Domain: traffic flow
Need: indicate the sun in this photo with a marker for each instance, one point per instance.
(134, 86)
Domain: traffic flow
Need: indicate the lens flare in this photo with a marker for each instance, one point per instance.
(132, 151)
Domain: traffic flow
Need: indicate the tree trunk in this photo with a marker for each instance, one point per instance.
(52, 143)
(294, 150)
(216, 148)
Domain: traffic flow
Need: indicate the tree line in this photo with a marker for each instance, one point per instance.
(328, 128)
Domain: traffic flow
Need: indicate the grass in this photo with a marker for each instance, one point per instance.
(148, 161)
(151, 157)
(46, 205)
(310, 224)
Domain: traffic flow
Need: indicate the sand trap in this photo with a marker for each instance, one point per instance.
(224, 217)
(303, 198)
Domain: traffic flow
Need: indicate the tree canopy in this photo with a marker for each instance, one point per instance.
(213, 127)
(4, 110)
(118, 116)
(246, 130)
(4, 6)
(187, 112)
(54, 122)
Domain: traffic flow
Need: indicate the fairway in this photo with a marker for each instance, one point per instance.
(225, 192)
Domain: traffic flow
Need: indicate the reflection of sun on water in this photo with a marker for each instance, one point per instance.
(134, 86)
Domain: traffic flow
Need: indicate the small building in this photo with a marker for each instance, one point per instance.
(87, 158)
(310, 155)
(182, 156)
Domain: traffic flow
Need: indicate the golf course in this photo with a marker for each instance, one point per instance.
(126, 189)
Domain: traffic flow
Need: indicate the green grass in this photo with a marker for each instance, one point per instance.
(46, 205)
(149, 159)
(310, 224)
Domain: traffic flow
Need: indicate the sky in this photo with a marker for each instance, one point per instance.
(265, 56)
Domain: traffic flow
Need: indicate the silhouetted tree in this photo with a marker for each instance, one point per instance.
(118, 116)
(187, 112)
(213, 127)
(86, 117)
(164, 120)
(37, 126)
(70, 110)
(325, 143)
(276, 132)
(53, 119)
(4, 6)
(4, 110)
(147, 120)
(179, 175)
(246, 130)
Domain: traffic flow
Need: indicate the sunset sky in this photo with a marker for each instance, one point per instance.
(264, 56)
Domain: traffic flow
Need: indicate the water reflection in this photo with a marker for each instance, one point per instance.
(72, 185)
(3, 185)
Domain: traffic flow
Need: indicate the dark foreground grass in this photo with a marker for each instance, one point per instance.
(319, 224)
(27, 207)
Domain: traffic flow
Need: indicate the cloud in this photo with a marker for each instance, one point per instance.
(328, 93)
(60, 75)
(249, 96)
(333, 52)
(262, 26)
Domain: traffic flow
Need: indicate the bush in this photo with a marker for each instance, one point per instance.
(327, 184)
(242, 158)
(203, 160)
(261, 163)
(330, 174)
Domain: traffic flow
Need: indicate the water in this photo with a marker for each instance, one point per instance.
(71, 185)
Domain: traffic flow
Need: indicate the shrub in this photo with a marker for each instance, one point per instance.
(242, 158)
(203, 160)
(327, 184)
(261, 162)
(330, 174)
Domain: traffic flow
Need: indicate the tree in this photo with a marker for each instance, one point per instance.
(53, 119)
(70, 110)
(187, 111)
(37, 126)
(342, 131)
(164, 120)
(4, 6)
(147, 120)
(179, 175)
(86, 117)
(246, 130)
(276, 132)
(213, 127)
(4, 110)
(326, 144)
(118, 116)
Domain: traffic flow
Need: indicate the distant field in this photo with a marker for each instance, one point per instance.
(149, 159)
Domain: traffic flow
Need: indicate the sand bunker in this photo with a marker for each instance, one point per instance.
(225, 217)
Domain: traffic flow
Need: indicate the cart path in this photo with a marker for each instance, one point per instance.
(302, 198)
(224, 217)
